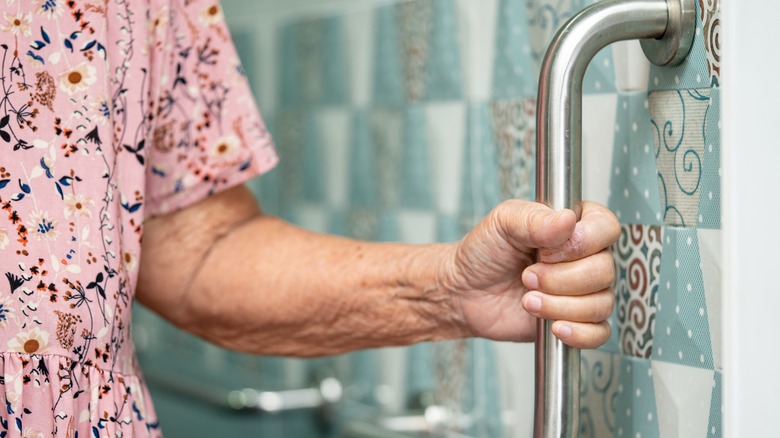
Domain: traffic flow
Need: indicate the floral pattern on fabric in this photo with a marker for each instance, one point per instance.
(111, 112)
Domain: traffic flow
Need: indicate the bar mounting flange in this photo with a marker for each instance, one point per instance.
(675, 44)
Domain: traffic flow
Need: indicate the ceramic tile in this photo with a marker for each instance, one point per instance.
(683, 396)
(313, 172)
(634, 195)
(678, 127)
(638, 262)
(480, 189)
(359, 33)
(363, 190)
(715, 428)
(514, 72)
(632, 68)
(599, 113)
(479, 29)
(333, 69)
(514, 132)
(682, 333)
(710, 198)
(414, 21)
(387, 128)
(444, 77)
(637, 409)
(388, 79)
(334, 126)
(599, 382)
(416, 169)
(447, 136)
(711, 255)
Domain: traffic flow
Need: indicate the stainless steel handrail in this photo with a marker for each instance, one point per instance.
(668, 27)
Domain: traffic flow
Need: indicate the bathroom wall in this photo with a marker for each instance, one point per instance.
(410, 120)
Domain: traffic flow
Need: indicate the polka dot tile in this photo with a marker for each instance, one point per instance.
(683, 395)
(710, 196)
(600, 75)
(416, 169)
(635, 405)
(444, 79)
(715, 428)
(634, 195)
(682, 332)
(514, 72)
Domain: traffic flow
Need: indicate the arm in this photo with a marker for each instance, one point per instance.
(253, 283)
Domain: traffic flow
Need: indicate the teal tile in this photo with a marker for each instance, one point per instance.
(337, 222)
(388, 67)
(289, 72)
(363, 191)
(482, 396)
(447, 228)
(388, 227)
(312, 159)
(416, 170)
(682, 333)
(636, 410)
(710, 198)
(634, 193)
(420, 372)
(444, 78)
(600, 75)
(715, 428)
(334, 69)
(480, 189)
(363, 376)
(514, 72)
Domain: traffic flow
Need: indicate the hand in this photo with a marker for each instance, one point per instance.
(502, 289)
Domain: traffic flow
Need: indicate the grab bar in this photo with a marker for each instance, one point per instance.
(667, 28)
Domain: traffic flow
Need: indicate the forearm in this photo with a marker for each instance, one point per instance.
(273, 288)
(254, 283)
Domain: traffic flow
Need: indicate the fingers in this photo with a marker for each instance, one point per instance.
(581, 335)
(591, 308)
(528, 225)
(598, 229)
(580, 277)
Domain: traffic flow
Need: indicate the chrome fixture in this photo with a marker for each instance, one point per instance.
(667, 28)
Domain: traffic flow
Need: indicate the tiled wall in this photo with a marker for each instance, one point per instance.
(411, 120)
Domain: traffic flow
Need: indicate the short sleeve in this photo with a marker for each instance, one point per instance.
(205, 131)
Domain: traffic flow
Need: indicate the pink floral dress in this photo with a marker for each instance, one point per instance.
(111, 111)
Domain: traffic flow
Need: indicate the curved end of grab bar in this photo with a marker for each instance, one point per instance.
(667, 26)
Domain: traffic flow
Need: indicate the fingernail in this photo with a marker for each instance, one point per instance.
(530, 280)
(533, 304)
(564, 331)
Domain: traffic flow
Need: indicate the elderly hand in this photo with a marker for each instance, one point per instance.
(502, 289)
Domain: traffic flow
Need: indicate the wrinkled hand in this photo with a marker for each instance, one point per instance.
(502, 289)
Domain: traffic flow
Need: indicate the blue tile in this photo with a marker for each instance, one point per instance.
(710, 199)
(682, 333)
(388, 67)
(289, 72)
(715, 428)
(634, 193)
(480, 189)
(514, 72)
(363, 191)
(334, 69)
(312, 158)
(416, 181)
(636, 410)
(444, 79)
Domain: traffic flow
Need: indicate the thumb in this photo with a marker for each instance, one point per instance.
(530, 225)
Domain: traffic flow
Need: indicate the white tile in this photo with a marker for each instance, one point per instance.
(515, 363)
(477, 24)
(389, 391)
(334, 127)
(417, 226)
(711, 265)
(447, 136)
(598, 121)
(312, 216)
(632, 68)
(682, 397)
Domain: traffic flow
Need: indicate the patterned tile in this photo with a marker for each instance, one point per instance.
(389, 84)
(514, 130)
(710, 197)
(514, 71)
(599, 381)
(678, 127)
(387, 128)
(638, 261)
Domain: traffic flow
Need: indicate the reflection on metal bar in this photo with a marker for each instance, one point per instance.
(668, 27)
(324, 393)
